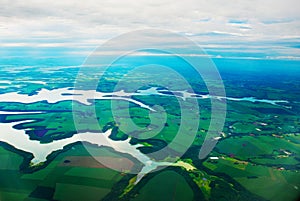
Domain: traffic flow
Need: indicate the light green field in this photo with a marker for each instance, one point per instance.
(245, 147)
(266, 182)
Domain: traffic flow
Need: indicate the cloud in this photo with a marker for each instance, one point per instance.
(239, 22)
(90, 22)
(277, 21)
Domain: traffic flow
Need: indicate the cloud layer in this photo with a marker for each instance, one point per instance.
(86, 24)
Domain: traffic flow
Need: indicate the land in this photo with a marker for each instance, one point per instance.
(256, 158)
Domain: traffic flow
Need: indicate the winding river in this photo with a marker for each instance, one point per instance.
(20, 140)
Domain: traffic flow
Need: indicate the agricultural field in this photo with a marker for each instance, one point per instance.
(256, 156)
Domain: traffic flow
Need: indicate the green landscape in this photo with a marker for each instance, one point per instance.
(256, 157)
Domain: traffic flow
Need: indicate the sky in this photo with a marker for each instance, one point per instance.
(268, 29)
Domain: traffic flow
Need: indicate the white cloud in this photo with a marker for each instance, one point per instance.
(80, 23)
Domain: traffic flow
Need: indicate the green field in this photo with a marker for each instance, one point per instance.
(167, 185)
